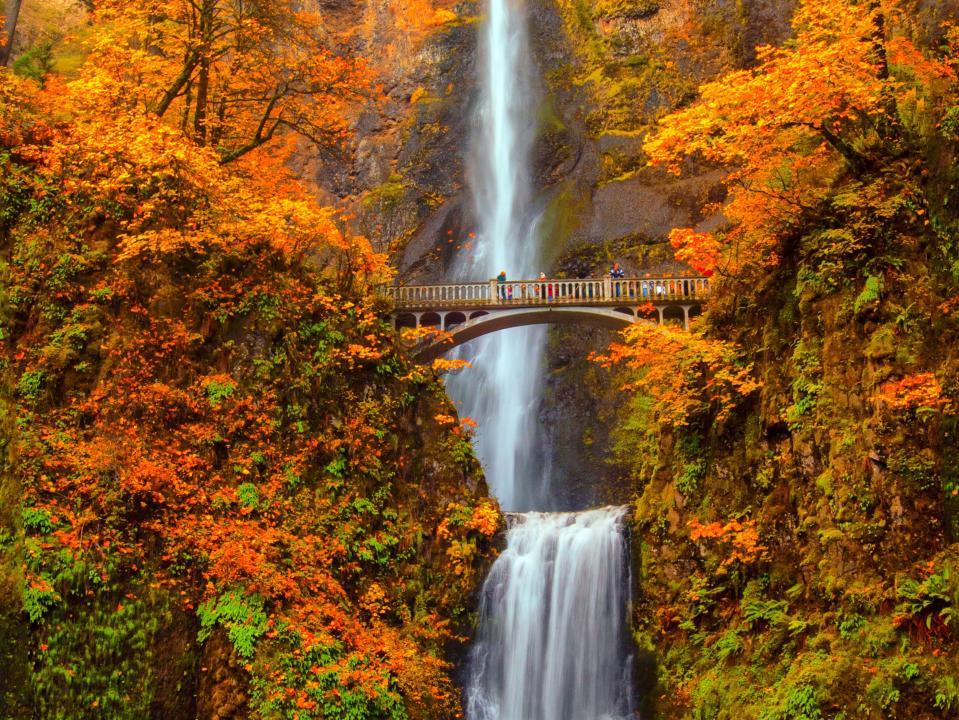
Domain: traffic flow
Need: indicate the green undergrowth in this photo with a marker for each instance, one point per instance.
(224, 491)
(799, 559)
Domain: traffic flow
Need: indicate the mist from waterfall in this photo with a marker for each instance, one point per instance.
(552, 642)
(502, 391)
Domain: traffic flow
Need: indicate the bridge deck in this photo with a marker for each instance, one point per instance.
(596, 292)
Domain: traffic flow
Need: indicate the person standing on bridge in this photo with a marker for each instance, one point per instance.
(617, 273)
(543, 288)
(501, 279)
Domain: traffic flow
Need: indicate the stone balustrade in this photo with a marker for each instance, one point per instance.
(525, 293)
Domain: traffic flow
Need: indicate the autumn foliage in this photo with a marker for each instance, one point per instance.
(233, 76)
(806, 546)
(212, 421)
(736, 542)
(689, 378)
(847, 93)
(921, 392)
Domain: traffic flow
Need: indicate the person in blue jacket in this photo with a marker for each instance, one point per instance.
(617, 273)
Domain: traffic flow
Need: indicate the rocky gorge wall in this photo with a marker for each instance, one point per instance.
(799, 561)
(608, 71)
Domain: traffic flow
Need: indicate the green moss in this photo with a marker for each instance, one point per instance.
(626, 8)
(550, 121)
(627, 83)
(882, 344)
(386, 197)
(870, 295)
(562, 217)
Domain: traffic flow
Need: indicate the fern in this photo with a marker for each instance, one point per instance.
(242, 615)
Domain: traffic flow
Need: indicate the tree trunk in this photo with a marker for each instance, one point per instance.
(889, 126)
(9, 29)
(206, 33)
(199, 116)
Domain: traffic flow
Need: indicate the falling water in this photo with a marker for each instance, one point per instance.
(552, 622)
(552, 642)
(503, 390)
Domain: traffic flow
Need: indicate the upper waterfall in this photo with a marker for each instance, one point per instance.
(503, 389)
(502, 143)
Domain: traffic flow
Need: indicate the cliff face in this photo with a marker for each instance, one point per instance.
(607, 74)
(823, 581)
(615, 69)
(798, 560)
(608, 70)
(402, 178)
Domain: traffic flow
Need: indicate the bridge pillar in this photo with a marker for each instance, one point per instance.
(659, 309)
(493, 292)
(686, 309)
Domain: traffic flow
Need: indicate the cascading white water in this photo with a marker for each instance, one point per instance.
(503, 390)
(552, 642)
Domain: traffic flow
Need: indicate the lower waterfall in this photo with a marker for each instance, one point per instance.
(552, 641)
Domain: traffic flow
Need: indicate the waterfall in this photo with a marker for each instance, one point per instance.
(552, 642)
(503, 389)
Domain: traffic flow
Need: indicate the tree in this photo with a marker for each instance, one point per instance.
(837, 99)
(218, 304)
(9, 30)
(232, 74)
(686, 377)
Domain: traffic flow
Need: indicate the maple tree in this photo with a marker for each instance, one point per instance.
(233, 75)
(921, 391)
(844, 95)
(738, 541)
(687, 376)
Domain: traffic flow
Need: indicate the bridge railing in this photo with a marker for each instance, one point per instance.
(418, 295)
(552, 290)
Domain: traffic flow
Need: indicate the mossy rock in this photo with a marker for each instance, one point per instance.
(628, 9)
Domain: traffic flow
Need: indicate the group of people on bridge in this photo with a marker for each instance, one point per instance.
(545, 289)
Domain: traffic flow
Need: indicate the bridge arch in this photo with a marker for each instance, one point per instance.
(404, 320)
(466, 311)
(673, 315)
(484, 323)
(431, 319)
(454, 318)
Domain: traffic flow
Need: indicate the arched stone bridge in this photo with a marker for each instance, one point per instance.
(469, 310)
